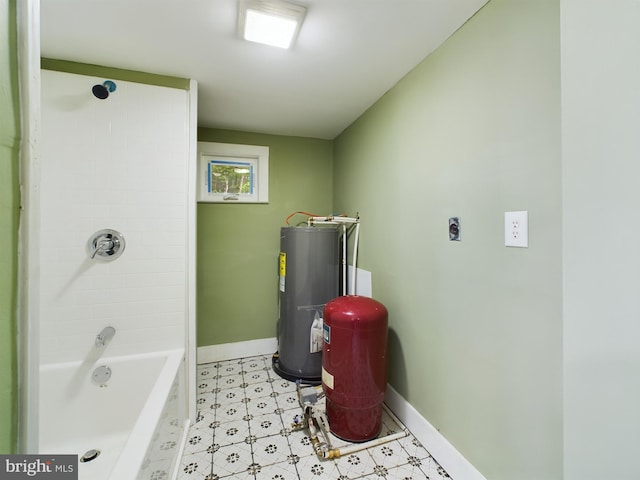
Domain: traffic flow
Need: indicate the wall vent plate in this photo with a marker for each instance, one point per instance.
(454, 229)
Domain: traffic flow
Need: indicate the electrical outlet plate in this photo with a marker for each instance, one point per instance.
(516, 229)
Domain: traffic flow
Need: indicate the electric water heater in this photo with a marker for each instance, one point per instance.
(308, 277)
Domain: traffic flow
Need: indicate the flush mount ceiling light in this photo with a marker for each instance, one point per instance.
(271, 22)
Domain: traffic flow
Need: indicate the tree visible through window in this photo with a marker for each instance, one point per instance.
(233, 173)
(230, 178)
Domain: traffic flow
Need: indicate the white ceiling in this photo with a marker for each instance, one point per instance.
(348, 54)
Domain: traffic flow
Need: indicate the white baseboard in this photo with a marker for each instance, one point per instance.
(439, 447)
(229, 351)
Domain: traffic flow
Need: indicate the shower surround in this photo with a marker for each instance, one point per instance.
(122, 163)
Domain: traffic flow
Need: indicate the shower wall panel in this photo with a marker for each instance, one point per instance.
(119, 163)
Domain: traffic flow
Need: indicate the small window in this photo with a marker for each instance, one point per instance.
(233, 173)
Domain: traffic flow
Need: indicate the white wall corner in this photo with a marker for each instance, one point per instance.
(455, 464)
(28, 24)
(229, 351)
(191, 321)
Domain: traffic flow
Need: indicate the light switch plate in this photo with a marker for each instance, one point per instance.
(516, 229)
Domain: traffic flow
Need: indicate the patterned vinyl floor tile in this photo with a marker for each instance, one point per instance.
(244, 432)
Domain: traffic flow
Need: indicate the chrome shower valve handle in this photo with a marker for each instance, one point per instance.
(105, 245)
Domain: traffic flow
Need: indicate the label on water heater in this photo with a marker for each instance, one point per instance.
(327, 379)
(282, 270)
(315, 343)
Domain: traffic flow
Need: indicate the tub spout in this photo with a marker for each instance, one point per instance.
(105, 336)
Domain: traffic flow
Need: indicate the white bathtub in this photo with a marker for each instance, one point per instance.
(137, 420)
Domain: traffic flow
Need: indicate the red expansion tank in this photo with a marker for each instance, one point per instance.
(354, 366)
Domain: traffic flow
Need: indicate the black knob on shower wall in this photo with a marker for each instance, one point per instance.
(102, 91)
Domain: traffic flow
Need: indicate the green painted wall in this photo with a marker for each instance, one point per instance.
(238, 245)
(601, 262)
(476, 327)
(9, 217)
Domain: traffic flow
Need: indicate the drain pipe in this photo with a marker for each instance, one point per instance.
(355, 258)
(344, 259)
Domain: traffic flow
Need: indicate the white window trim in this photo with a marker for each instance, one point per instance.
(253, 153)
